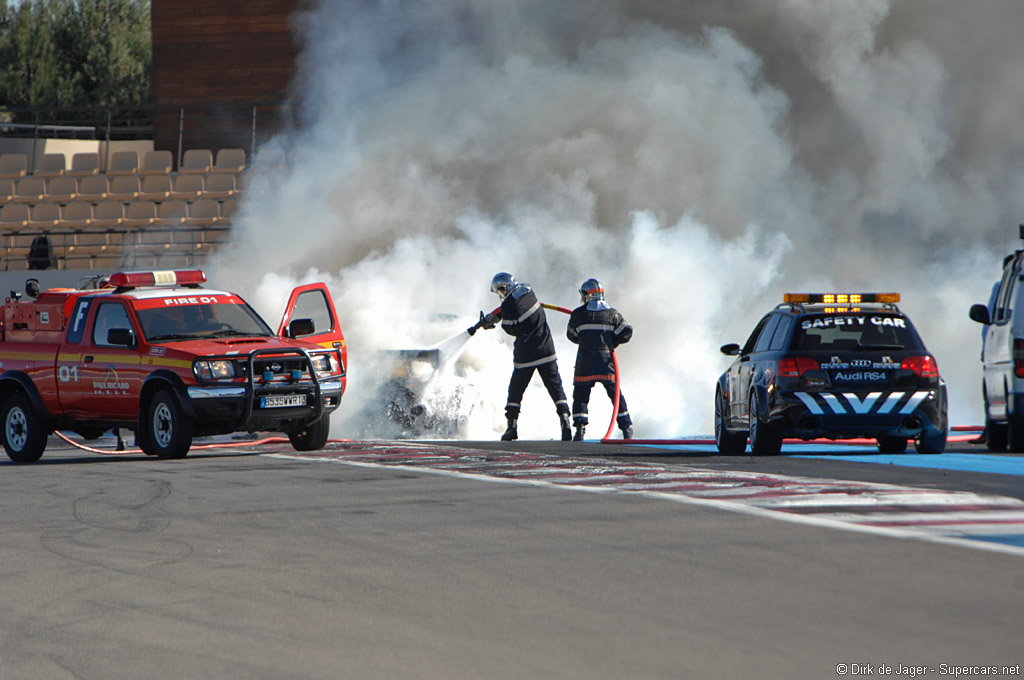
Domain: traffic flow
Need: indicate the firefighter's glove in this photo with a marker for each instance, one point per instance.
(487, 322)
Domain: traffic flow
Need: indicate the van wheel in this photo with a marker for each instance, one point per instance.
(311, 437)
(763, 440)
(996, 437)
(24, 434)
(1015, 434)
(165, 432)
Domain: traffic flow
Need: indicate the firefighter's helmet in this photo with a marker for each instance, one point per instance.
(591, 290)
(502, 284)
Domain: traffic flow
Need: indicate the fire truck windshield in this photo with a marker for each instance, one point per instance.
(188, 322)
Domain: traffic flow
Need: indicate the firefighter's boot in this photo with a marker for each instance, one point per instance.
(510, 432)
(580, 430)
(566, 427)
(627, 432)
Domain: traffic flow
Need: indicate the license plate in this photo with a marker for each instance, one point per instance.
(282, 400)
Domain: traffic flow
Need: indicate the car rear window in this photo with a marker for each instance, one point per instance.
(858, 330)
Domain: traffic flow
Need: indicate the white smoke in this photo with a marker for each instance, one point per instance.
(699, 162)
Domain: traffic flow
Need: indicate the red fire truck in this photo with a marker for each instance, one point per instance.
(156, 353)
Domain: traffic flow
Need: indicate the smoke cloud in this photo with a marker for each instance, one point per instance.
(699, 159)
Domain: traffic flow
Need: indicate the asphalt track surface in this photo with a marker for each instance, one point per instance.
(520, 560)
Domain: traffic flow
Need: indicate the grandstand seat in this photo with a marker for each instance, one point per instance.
(174, 259)
(61, 190)
(188, 187)
(204, 212)
(124, 188)
(171, 214)
(108, 214)
(155, 188)
(229, 161)
(13, 165)
(76, 216)
(6, 189)
(93, 188)
(29, 190)
(44, 216)
(156, 162)
(84, 164)
(220, 186)
(139, 214)
(14, 216)
(50, 165)
(196, 161)
(228, 209)
(123, 163)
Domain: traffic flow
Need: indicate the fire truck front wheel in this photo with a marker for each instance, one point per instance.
(165, 431)
(311, 437)
(24, 434)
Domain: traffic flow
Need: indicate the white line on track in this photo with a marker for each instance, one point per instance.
(946, 517)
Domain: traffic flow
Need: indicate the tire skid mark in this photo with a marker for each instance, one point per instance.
(965, 518)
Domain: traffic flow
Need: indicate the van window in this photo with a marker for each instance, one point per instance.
(1004, 301)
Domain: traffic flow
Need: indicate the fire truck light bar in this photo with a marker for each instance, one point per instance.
(839, 298)
(181, 277)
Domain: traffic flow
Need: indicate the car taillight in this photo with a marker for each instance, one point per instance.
(792, 367)
(924, 366)
(1018, 357)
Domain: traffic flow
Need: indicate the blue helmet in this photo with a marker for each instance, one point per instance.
(591, 290)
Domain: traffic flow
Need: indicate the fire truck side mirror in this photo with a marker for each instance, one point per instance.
(301, 327)
(122, 337)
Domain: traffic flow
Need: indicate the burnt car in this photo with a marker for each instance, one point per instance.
(421, 394)
(832, 366)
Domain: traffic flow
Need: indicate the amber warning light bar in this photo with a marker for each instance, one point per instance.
(839, 298)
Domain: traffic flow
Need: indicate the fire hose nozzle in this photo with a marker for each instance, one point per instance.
(487, 322)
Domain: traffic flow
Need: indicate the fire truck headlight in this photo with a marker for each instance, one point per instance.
(321, 363)
(213, 370)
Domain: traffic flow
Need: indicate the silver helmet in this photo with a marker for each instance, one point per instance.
(502, 284)
(591, 290)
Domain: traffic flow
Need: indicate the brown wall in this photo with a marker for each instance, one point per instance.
(221, 56)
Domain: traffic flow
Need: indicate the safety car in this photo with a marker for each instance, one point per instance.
(833, 366)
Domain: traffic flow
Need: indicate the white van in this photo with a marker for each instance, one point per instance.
(1002, 356)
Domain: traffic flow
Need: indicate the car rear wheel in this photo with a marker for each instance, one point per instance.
(727, 442)
(763, 440)
(891, 444)
(311, 437)
(166, 432)
(24, 434)
(931, 442)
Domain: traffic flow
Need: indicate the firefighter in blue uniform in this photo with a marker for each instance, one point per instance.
(522, 317)
(597, 328)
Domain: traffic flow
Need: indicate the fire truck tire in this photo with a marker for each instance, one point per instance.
(312, 437)
(165, 432)
(24, 434)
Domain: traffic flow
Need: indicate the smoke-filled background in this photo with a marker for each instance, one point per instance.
(699, 158)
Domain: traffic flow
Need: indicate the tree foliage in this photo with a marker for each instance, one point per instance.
(66, 53)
